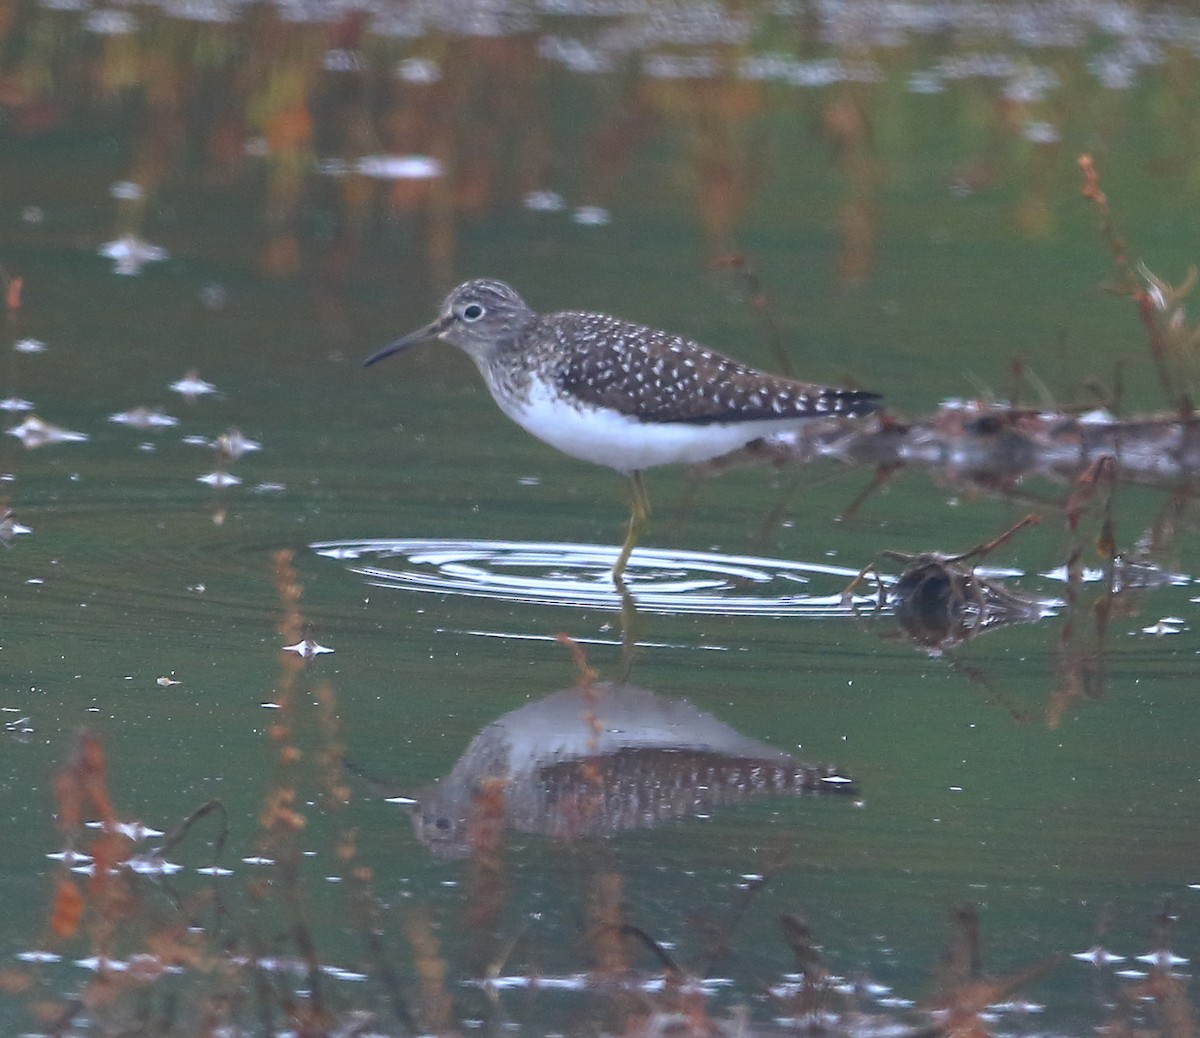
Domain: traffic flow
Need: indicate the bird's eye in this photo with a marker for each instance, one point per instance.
(472, 312)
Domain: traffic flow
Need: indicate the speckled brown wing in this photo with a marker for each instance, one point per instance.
(654, 376)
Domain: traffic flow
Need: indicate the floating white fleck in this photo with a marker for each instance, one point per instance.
(1086, 575)
(258, 859)
(307, 648)
(33, 433)
(232, 444)
(15, 404)
(39, 956)
(215, 870)
(131, 254)
(545, 202)
(1097, 955)
(1166, 625)
(871, 987)
(1039, 132)
(69, 857)
(29, 346)
(591, 216)
(10, 528)
(144, 418)
(1162, 958)
(340, 974)
(98, 964)
(146, 965)
(149, 865)
(130, 830)
(341, 59)
(192, 385)
(127, 191)
(399, 167)
(418, 70)
(219, 479)
(1018, 1005)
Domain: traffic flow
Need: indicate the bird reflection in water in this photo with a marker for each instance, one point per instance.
(599, 759)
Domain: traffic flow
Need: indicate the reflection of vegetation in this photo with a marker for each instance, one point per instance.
(261, 95)
(941, 602)
(965, 994)
(193, 964)
(263, 110)
(998, 447)
(1174, 341)
(232, 958)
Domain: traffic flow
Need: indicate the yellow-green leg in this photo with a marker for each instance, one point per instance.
(639, 512)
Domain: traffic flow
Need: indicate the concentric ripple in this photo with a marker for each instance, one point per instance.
(578, 576)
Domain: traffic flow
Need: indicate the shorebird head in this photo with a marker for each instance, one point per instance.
(478, 317)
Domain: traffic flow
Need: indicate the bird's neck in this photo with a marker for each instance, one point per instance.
(509, 361)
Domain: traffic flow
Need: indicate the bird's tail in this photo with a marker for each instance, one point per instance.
(851, 401)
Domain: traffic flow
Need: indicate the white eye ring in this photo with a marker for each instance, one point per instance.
(472, 312)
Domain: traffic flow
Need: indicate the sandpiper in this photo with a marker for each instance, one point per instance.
(618, 393)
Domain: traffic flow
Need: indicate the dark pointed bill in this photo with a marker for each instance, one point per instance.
(430, 331)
